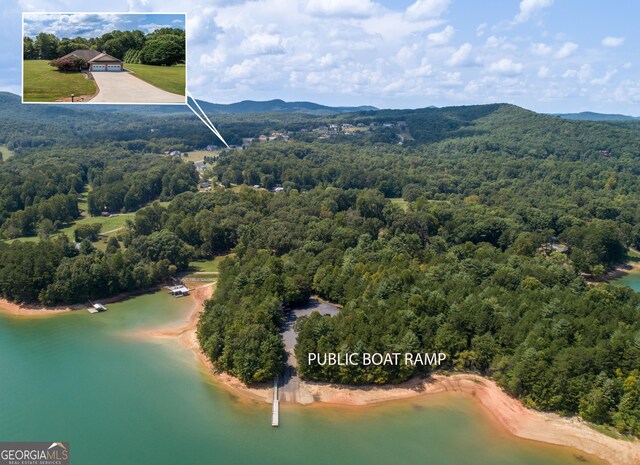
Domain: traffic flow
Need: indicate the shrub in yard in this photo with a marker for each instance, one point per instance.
(68, 64)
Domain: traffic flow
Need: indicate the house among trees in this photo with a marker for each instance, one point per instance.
(96, 61)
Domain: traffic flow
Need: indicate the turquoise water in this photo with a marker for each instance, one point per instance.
(124, 400)
(632, 280)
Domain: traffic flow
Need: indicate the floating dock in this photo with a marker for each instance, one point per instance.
(275, 410)
(179, 291)
(97, 308)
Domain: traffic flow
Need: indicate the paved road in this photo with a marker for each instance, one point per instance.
(123, 87)
(290, 381)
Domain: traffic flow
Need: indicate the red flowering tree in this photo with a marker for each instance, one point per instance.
(68, 64)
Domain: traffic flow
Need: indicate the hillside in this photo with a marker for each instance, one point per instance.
(466, 267)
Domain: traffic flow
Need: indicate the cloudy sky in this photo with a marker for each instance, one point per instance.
(546, 55)
(96, 24)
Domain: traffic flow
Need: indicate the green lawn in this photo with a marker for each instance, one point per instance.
(108, 225)
(400, 202)
(169, 78)
(198, 155)
(210, 266)
(5, 152)
(43, 83)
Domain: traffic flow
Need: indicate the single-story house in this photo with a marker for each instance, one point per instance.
(97, 61)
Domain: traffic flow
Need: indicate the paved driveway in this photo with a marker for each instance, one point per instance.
(123, 87)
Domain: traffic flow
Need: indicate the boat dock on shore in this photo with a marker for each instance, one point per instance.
(96, 308)
(179, 291)
(275, 409)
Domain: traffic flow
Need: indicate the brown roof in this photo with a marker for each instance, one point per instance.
(86, 55)
(103, 57)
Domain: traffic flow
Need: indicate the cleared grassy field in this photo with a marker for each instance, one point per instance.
(108, 225)
(198, 155)
(5, 152)
(43, 83)
(400, 202)
(169, 78)
(208, 266)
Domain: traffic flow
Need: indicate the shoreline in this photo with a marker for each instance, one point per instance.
(620, 272)
(505, 411)
(39, 311)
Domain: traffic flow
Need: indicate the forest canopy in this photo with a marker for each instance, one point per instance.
(499, 216)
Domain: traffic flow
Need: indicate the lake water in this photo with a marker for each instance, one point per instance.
(121, 400)
(632, 280)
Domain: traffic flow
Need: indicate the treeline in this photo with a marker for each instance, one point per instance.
(25, 129)
(409, 282)
(39, 192)
(164, 46)
(56, 272)
(241, 330)
(128, 187)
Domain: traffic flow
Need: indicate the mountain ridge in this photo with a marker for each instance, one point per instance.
(593, 116)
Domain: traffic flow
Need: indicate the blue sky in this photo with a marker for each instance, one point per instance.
(96, 24)
(545, 55)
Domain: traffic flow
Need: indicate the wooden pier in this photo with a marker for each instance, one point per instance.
(275, 410)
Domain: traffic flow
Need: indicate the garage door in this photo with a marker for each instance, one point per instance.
(113, 68)
(98, 67)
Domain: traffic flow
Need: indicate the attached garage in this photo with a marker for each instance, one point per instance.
(104, 62)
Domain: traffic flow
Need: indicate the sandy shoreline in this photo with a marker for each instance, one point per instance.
(632, 266)
(35, 311)
(507, 412)
(40, 311)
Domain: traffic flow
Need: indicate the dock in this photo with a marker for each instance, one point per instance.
(96, 308)
(179, 291)
(275, 410)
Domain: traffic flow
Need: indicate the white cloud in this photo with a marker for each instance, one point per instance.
(627, 65)
(442, 37)
(628, 91)
(480, 29)
(566, 50)
(214, 58)
(604, 79)
(541, 49)
(500, 42)
(544, 72)
(506, 67)
(152, 27)
(342, 8)
(462, 56)
(262, 44)
(584, 73)
(530, 7)
(423, 9)
(612, 41)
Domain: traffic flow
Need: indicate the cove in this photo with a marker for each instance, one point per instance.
(120, 399)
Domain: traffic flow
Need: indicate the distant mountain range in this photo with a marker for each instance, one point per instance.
(278, 106)
(243, 107)
(591, 116)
